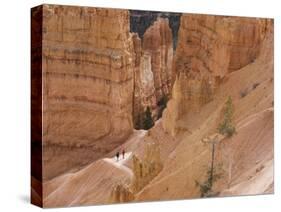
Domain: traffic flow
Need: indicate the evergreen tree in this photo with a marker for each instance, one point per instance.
(148, 121)
(162, 104)
(226, 127)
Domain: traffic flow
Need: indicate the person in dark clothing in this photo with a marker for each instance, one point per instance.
(117, 156)
(123, 154)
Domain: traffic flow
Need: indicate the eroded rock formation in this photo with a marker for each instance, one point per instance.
(144, 90)
(147, 168)
(158, 42)
(209, 47)
(121, 193)
(144, 170)
(88, 77)
(153, 69)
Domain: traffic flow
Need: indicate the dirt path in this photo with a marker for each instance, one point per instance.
(120, 163)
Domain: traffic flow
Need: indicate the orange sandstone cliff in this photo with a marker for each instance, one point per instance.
(88, 83)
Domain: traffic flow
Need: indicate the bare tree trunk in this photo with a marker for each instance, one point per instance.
(212, 164)
(230, 162)
(229, 174)
(228, 156)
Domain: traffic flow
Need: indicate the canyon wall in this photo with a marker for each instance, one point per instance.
(91, 65)
(87, 83)
(99, 77)
(88, 75)
(209, 47)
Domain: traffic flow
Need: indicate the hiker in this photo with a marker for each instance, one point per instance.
(117, 156)
(123, 154)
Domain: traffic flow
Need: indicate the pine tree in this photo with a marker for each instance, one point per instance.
(162, 104)
(148, 121)
(226, 127)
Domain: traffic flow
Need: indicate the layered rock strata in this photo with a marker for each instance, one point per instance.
(209, 47)
(88, 78)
